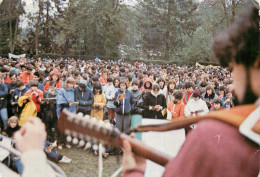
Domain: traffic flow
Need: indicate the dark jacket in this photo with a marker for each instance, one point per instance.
(125, 105)
(139, 102)
(16, 94)
(84, 97)
(3, 95)
(10, 131)
(153, 100)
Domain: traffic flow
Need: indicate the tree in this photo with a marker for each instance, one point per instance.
(10, 12)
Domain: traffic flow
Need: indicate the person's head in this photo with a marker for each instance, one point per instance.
(156, 88)
(238, 48)
(189, 87)
(171, 85)
(13, 77)
(110, 81)
(209, 90)
(123, 85)
(70, 83)
(93, 70)
(203, 86)
(135, 84)
(177, 96)
(19, 84)
(217, 103)
(34, 85)
(116, 82)
(196, 95)
(161, 82)
(97, 88)
(94, 79)
(36, 76)
(221, 91)
(29, 69)
(52, 86)
(105, 74)
(13, 121)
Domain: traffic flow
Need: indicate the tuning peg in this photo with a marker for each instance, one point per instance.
(69, 138)
(87, 146)
(80, 114)
(95, 147)
(81, 143)
(70, 118)
(75, 141)
(67, 132)
(87, 117)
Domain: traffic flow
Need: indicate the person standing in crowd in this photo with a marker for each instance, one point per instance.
(99, 102)
(148, 85)
(196, 106)
(3, 101)
(189, 89)
(36, 96)
(85, 97)
(227, 100)
(176, 106)
(27, 75)
(49, 111)
(66, 97)
(16, 94)
(110, 91)
(217, 103)
(54, 76)
(124, 102)
(162, 84)
(155, 104)
(103, 77)
(169, 93)
(209, 95)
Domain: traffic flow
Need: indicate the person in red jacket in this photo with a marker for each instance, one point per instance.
(103, 77)
(189, 89)
(54, 76)
(176, 107)
(27, 75)
(217, 148)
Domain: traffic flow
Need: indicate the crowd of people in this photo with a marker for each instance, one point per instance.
(109, 90)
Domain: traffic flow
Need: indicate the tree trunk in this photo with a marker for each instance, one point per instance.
(37, 31)
(225, 11)
(167, 34)
(233, 11)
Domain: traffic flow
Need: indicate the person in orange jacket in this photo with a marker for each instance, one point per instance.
(176, 107)
(27, 75)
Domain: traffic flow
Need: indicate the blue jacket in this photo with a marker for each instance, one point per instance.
(3, 95)
(125, 105)
(84, 97)
(63, 99)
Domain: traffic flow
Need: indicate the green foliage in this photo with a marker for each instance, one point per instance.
(157, 31)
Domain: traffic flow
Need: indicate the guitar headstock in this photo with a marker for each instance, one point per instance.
(81, 129)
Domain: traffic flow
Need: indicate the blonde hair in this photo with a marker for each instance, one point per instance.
(13, 119)
(69, 80)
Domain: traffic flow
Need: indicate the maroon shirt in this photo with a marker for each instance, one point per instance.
(214, 149)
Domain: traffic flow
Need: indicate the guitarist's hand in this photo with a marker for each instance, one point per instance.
(131, 162)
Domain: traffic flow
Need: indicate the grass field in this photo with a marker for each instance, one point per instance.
(85, 163)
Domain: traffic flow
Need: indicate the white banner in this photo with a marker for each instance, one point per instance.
(16, 56)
